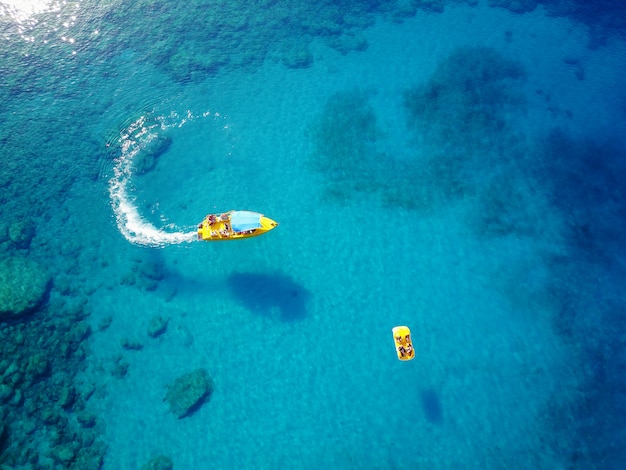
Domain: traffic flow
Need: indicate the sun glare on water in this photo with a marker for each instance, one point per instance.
(23, 10)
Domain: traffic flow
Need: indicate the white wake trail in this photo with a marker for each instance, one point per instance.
(129, 221)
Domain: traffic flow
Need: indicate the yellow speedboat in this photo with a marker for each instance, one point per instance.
(233, 225)
(404, 345)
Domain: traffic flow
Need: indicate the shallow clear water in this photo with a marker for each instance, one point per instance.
(458, 170)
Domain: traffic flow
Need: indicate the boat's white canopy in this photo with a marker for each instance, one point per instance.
(245, 220)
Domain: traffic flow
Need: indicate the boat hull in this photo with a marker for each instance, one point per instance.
(404, 345)
(234, 225)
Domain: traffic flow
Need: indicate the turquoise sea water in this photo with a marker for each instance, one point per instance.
(457, 167)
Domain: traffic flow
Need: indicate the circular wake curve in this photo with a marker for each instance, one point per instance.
(129, 221)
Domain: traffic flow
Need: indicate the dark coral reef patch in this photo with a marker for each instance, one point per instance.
(458, 129)
(459, 117)
(586, 182)
(344, 135)
(464, 101)
(41, 405)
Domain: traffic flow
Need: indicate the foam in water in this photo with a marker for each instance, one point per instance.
(130, 223)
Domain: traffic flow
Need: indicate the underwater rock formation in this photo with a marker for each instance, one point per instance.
(189, 392)
(23, 287)
(297, 56)
(347, 43)
(120, 367)
(146, 273)
(131, 345)
(157, 326)
(21, 233)
(516, 6)
(147, 159)
(160, 462)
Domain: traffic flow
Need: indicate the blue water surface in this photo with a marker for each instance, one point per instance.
(453, 166)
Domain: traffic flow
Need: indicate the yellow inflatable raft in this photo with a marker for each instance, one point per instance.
(233, 225)
(404, 345)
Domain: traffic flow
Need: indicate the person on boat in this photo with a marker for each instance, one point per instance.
(211, 218)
